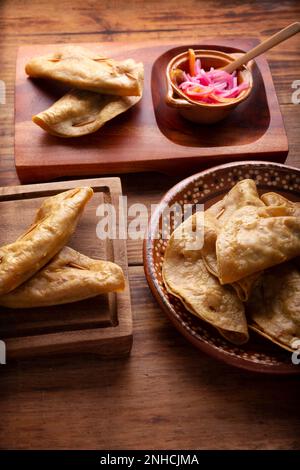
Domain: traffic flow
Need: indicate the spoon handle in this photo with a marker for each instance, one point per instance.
(281, 36)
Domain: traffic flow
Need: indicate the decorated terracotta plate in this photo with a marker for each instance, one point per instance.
(206, 188)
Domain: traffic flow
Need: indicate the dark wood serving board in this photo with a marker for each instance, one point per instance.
(150, 136)
(101, 325)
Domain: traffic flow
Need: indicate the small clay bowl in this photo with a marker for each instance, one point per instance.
(195, 111)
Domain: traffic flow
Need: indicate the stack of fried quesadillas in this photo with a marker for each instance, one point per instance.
(38, 269)
(246, 273)
(100, 89)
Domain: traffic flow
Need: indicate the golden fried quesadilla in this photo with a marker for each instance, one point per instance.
(54, 224)
(274, 306)
(68, 277)
(242, 194)
(254, 239)
(186, 277)
(275, 199)
(80, 68)
(81, 112)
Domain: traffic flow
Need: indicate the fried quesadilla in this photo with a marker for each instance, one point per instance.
(254, 239)
(82, 112)
(54, 224)
(242, 194)
(275, 199)
(80, 68)
(186, 277)
(274, 306)
(68, 277)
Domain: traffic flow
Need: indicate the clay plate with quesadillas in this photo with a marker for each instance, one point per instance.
(237, 297)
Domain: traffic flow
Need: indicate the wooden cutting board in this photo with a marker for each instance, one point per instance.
(150, 136)
(101, 325)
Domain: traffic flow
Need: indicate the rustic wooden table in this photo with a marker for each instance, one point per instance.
(167, 394)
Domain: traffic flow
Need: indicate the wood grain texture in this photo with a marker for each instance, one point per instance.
(103, 324)
(151, 135)
(167, 394)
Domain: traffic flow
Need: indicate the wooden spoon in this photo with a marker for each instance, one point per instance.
(264, 46)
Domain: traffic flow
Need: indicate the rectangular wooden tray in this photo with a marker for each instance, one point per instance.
(150, 136)
(101, 325)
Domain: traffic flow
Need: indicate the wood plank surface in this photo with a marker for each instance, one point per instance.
(167, 394)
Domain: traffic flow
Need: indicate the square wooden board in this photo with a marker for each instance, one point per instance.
(150, 136)
(101, 325)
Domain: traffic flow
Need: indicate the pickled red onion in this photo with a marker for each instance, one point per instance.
(214, 86)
